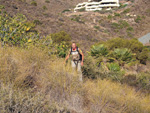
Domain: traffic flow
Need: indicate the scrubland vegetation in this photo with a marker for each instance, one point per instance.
(116, 59)
(33, 77)
(32, 81)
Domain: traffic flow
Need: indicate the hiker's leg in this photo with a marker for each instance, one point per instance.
(79, 71)
(73, 65)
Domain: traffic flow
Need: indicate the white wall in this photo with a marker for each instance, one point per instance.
(93, 6)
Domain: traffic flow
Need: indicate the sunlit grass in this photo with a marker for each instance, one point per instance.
(120, 96)
(33, 81)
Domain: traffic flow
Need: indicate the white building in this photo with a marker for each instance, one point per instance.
(94, 5)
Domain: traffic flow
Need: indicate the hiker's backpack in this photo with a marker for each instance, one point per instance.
(77, 50)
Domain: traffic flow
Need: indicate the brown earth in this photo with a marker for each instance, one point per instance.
(85, 27)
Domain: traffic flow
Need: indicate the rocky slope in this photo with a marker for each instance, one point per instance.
(85, 27)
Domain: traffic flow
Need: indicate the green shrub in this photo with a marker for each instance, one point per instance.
(62, 50)
(89, 68)
(122, 5)
(132, 44)
(113, 66)
(16, 30)
(135, 46)
(34, 3)
(110, 17)
(120, 25)
(77, 18)
(97, 27)
(47, 1)
(143, 56)
(115, 25)
(123, 24)
(99, 50)
(123, 54)
(60, 37)
(94, 68)
(143, 80)
(138, 19)
(130, 29)
(117, 14)
(148, 47)
(130, 35)
(126, 10)
(37, 22)
(115, 75)
(116, 43)
(2, 7)
(66, 10)
(44, 7)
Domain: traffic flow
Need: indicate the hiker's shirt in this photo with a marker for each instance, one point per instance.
(75, 54)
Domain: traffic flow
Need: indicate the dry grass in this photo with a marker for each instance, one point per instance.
(32, 81)
(120, 96)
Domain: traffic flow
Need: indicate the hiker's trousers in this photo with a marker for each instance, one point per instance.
(76, 65)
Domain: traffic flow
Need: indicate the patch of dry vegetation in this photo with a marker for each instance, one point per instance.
(32, 81)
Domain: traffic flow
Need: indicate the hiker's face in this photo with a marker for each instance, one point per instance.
(73, 45)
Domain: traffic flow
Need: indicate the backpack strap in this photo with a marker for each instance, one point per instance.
(79, 54)
(76, 48)
(71, 51)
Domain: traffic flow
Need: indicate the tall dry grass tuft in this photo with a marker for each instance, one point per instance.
(114, 95)
(32, 81)
(22, 65)
(46, 75)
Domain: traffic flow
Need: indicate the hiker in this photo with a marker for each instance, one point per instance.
(77, 59)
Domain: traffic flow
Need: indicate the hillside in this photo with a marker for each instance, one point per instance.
(51, 19)
(84, 27)
(35, 37)
(142, 8)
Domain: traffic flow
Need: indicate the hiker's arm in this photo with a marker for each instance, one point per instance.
(67, 57)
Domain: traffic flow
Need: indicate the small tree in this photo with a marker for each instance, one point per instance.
(60, 37)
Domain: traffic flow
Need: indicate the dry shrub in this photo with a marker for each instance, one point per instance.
(22, 66)
(33, 69)
(32, 81)
(114, 97)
